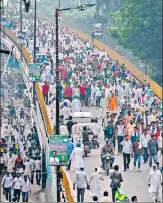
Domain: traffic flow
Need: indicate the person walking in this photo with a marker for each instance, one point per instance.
(137, 153)
(81, 183)
(45, 92)
(106, 197)
(152, 150)
(38, 170)
(77, 157)
(17, 187)
(120, 134)
(154, 183)
(7, 183)
(25, 188)
(95, 183)
(116, 179)
(127, 151)
(144, 141)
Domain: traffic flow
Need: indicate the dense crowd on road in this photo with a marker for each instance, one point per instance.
(129, 112)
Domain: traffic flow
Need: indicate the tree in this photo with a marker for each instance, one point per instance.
(138, 28)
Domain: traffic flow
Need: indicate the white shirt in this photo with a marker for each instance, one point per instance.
(17, 183)
(127, 146)
(25, 186)
(38, 165)
(120, 131)
(7, 181)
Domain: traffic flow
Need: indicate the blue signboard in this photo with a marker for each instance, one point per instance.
(3, 20)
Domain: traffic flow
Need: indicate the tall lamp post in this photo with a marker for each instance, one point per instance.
(80, 8)
(21, 24)
(34, 45)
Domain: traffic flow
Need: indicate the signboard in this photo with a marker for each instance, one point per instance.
(58, 150)
(21, 37)
(97, 29)
(3, 20)
(35, 71)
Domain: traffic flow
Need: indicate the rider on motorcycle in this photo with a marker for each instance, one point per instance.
(85, 135)
(108, 148)
(95, 128)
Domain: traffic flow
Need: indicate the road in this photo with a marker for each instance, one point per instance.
(135, 183)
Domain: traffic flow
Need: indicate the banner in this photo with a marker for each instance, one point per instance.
(97, 29)
(34, 71)
(3, 20)
(58, 150)
(21, 37)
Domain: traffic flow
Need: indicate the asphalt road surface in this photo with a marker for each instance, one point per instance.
(135, 183)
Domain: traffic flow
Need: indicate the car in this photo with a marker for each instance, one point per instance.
(82, 118)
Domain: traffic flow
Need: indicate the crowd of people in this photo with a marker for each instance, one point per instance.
(20, 155)
(130, 112)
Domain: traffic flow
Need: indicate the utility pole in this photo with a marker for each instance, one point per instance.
(34, 45)
(57, 102)
(21, 24)
(57, 131)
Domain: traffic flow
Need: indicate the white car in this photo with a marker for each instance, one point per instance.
(82, 118)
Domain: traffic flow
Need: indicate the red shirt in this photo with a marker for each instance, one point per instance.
(82, 90)
(157, 134)
(68, 92)
(45, 89)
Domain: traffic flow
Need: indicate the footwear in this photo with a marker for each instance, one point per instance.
(134, 167)
(139, 170)
(124, 169)
(127, 166)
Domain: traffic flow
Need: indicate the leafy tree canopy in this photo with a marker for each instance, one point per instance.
(138, 27)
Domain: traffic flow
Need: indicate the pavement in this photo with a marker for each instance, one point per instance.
(35, 189)
(135, 183)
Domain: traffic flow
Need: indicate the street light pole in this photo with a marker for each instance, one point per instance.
(57, 102)
(34, 45)
(57, 130)
(21, 25)
(57, 74)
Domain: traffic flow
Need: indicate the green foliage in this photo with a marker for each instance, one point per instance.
(138, 27)
(114, 32)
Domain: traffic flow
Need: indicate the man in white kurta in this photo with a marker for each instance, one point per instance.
(95, 183)
(154, 182)
(76, 105)
(65, 111)
(77, 157)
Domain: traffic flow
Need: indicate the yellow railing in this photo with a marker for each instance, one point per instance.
(66, 181)
(134, 71)
(43, 107)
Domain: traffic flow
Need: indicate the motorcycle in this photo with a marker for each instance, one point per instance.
(86, 149)
(95, 141)
(106, 163)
